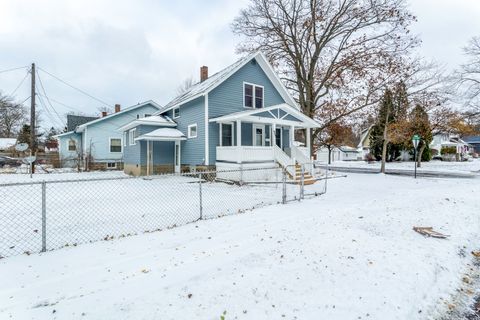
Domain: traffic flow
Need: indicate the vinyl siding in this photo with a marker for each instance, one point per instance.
(228, 98)
(66, 155)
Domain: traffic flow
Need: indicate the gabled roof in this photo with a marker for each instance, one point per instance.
(82, 127)
(73, 121)
(364, 134)
(156, 120)
(215, 80)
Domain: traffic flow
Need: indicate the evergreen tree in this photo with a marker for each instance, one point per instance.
(420, 124)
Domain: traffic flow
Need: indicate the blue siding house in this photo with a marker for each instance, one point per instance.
(97, 144)
(240, 117)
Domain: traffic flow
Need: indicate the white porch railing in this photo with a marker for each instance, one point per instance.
(300, 155)
(245, 154)
(284, 160)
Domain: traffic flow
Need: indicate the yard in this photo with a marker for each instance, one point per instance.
(349, 254)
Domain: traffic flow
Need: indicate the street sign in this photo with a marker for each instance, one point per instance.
(21, 147)
(415, 141)
(30, 159)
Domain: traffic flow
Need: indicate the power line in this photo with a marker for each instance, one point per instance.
(49, 113)
(13, 69)
(73, 87)
(20, 84)
(48, 100)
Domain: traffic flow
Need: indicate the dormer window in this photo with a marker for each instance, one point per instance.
(252, 96)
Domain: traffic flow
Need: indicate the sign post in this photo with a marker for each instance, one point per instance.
(415, 141)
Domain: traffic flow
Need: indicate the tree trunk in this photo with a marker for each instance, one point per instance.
(419, 155)
(385, 143)
(329, 155)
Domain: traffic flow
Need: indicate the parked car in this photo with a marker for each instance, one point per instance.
(9, 161)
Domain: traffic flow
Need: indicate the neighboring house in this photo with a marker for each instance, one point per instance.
(363, 147)
(6, 144)
(96, 142)
(240, 117)
(474, 141)
(442, 140)
(342, 153)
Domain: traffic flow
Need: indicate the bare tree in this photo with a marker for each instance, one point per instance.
(470, 74)
(337, 56)
(12, 116)
(185, 86)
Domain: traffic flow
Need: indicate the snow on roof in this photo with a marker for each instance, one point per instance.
(163, 134)
(217, 78)
(156, 120)
(6, 143)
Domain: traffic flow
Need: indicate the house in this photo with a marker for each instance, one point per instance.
(363, 147)
(342, 153)
(240, 117)
(95, 143)
(474, 141)
(442, 141)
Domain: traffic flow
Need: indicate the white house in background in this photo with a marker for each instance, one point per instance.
(7, 143)
(363, 147)
(441, 140)
(342, 153)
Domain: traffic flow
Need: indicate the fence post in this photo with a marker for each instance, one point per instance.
(44, 216)
(302, 182)
(241, 174)
(200, 194)
(284, 186)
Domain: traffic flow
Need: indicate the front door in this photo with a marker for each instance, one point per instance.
(278, 137)
(258, 135)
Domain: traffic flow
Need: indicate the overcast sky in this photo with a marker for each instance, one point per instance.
(132, 51)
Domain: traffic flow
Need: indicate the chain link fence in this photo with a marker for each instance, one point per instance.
(47, 215)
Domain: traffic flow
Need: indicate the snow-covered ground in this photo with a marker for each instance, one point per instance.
(434, 165)
(349, 254)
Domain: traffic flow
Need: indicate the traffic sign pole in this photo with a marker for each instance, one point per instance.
(415, 141)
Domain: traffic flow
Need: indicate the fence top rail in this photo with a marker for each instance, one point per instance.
(151, 177)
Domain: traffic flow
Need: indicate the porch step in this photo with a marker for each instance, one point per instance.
(307, 177)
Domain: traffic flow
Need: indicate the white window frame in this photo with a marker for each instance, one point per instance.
(189, 129)
(221, 133)
(253, 95)
(173, 113)
(131, 137)
(68, 145)
(125, 138)
(254, 137)
(112, 168)
(110, 145)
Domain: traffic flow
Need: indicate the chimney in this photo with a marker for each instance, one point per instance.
(117, 108)
(203, 73)
(104, 114)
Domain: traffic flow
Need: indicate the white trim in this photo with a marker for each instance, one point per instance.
(111, 168)
(189, 135)
(281, 137)
(221, 133)
(131, 137)
(207, 144)
(264, 65)
(144, 121)
(68, 145)
(110, 145)
(125, 137)
(254, 95)
(173, 113)
(177, 161)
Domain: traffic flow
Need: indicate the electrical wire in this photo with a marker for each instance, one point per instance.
(13, 69)
(73, 87)
(20, 84)
(48, 100)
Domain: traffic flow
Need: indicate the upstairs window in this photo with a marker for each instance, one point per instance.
(115, 145)
(176, 113)
(132, 135)
(192, 131)
(252, 96)
(146, 115)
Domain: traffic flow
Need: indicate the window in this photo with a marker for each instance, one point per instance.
(111, 165)
(192, 131)
(227, 134)
(252, 96)
(176, 113)
(138, 116)
(125, 137)
(146, 115)
(131, 136)
(72, 145)
(115, 145)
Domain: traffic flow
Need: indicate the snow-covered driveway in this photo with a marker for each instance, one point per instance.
(350, 254)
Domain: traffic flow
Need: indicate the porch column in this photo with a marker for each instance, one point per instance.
(291, 136)
(177, 154)
(239, 141)
(308, 138)
(148, 157)
(273, 137)
(220, 133)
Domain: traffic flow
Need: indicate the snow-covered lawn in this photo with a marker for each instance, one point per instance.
(434, 165)
(349, 254)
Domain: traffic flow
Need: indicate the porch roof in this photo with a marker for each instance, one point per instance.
(156, 120)
(162, 134)
(273, 116)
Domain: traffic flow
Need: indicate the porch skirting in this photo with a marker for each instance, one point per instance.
(138, 170)
(249, 172)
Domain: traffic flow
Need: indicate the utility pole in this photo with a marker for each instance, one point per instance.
(33, 148)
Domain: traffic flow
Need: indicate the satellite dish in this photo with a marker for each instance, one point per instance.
(21, 147)
(30, 159)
